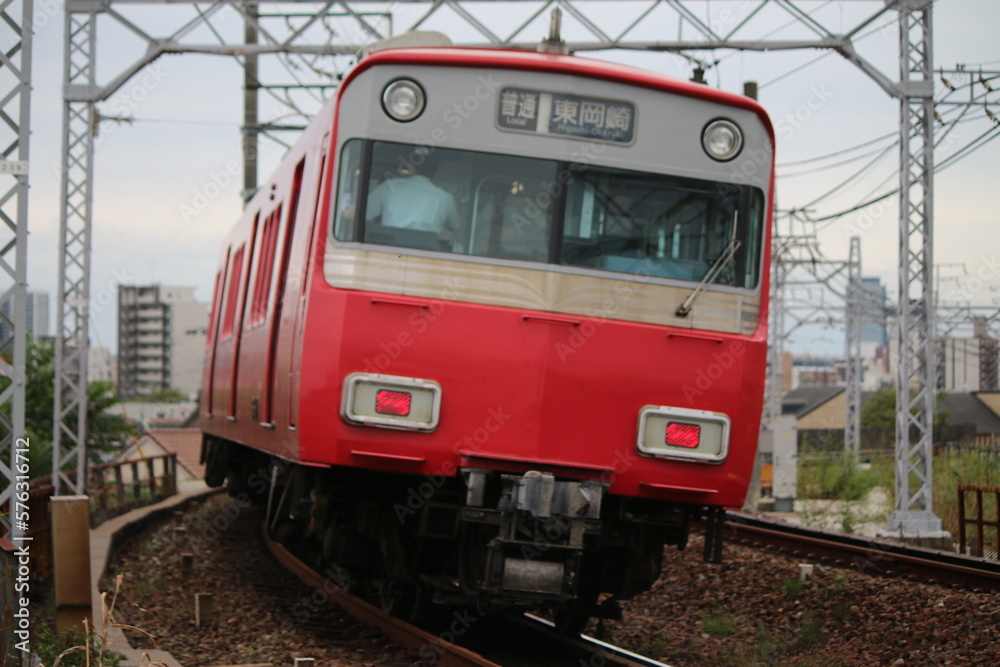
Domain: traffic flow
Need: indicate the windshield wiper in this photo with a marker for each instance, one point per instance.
(727, 256)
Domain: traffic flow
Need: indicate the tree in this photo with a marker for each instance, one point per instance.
(879, 410)
(105, 433)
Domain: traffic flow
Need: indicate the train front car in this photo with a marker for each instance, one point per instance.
(536, 349)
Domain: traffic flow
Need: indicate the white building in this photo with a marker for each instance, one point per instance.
(161, 339)
(100, 364)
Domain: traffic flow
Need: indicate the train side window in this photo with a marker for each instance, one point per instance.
(232, 292)
(265, 267)
(213, 315)
(348, 196)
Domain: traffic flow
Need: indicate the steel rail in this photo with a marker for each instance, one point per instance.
(444, 653)
(604, 653)
(868, 554)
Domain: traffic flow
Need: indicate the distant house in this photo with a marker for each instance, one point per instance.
(825, 408)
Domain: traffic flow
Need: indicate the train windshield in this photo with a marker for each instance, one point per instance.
(515, 208)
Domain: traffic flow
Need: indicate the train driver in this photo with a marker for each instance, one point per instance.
(413, 202)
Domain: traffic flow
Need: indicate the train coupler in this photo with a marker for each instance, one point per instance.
(541, 524)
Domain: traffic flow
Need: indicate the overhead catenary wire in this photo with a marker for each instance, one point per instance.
(834, 165)
(843, 151)
(968, 149)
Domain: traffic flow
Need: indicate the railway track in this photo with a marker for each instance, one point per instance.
(867, 555)
(537, 638)
(262, 605)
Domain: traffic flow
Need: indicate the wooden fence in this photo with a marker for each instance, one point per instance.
(114, 488)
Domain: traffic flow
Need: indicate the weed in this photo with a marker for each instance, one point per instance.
(720, 623)
(838, 587)
(793, 587)
(811, 633)
(834, 480)
(770, 646)
(841, 610)
(847, 521)
(654, 647)
(71, 649)
(79, 649)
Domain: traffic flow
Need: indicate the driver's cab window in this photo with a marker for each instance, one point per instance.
(641, 223)
(414, 197)
(525, 209)
(513, 219)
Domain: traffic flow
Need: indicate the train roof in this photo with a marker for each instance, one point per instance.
(549, 62)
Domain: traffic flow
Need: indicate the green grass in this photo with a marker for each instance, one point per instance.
(835, 480)
(720, 623)
(70, 650)
(793, 587)
(840, 480)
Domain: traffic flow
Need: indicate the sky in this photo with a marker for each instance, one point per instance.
(167, 167)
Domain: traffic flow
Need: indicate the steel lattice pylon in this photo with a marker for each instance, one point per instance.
(852, 381)
(915, 369)
(291, 38)
(15, 132)
(69, 422)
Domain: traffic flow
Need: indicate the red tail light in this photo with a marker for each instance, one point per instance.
(393, 403)
(683, 435)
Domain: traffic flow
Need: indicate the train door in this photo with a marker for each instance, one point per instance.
(300, 299)
(270, 380)
(211, 340)
(235, 315)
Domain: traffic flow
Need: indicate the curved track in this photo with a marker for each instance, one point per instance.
(410, 636)
(865, 554)
(434, 649)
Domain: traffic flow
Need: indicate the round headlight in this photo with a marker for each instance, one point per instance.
(403, 100)
(722, 140)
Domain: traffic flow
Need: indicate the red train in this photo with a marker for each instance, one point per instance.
(495, 330)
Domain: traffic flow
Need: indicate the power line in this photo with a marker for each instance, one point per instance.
(881, 154)
(840, 152)
(967, 150)
(837, 164)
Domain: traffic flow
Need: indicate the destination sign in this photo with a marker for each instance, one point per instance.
(560, 114)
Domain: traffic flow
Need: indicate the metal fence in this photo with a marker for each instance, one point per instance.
(880, 442)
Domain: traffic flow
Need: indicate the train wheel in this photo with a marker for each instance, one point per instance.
(396, 587)
(395, 596)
